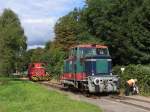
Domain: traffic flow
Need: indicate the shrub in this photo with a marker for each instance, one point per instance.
(140, 72)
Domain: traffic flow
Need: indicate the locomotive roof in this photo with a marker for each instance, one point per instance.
(90, 46)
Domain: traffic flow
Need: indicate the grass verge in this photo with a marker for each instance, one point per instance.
(25, 96)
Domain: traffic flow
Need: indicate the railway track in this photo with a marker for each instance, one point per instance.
(129, 98)
(138, 103)
(53, 85)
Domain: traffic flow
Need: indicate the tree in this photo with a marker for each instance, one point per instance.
(123, 26)
(66, 30)
(72, 29)
(12, 40)
(54, 57)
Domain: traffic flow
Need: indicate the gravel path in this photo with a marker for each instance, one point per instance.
(105, 104)
(112, 106)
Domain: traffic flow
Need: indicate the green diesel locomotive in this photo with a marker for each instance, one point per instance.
(89, 67)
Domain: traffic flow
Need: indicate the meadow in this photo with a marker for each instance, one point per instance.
(26, 96)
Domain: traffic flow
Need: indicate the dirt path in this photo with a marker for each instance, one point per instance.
(105, 104)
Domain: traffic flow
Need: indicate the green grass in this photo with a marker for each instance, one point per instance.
(25, 96)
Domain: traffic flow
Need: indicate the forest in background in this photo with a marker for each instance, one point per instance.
(122, 25)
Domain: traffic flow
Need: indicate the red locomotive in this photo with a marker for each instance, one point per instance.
(37, 71)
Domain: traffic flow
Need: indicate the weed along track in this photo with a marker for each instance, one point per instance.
(142, 104)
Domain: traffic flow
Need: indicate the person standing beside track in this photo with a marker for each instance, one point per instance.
(131, 87)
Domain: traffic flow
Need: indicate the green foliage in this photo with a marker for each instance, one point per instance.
(66, 30)
(72, 29)
(12, 42)
(123, 26)
(36, 54)
(140, 72)
(54, 57)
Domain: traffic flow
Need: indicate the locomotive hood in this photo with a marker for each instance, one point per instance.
(98, 65)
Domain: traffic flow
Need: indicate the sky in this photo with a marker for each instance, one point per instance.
(38, 17)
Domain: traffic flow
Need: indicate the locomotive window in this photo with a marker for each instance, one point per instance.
(71, 52)
(87, 51)
(93, 51)
(102, 51)
(75, 51)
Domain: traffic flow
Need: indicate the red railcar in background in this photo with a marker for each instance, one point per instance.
(37, 71)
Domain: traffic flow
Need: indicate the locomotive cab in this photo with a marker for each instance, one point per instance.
(89, 67)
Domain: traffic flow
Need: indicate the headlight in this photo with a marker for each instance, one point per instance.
(96, 81)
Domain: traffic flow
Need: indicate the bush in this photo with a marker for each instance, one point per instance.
(140, 72)
(55, 59)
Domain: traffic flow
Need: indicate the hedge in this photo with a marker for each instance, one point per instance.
(140, 72)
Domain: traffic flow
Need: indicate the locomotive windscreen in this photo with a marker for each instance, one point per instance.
(98, 66)
(94, 51)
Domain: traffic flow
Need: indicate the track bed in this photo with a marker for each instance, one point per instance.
(109, 103)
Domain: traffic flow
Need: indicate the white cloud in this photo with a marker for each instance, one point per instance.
(41, 29)
(38, 17)
(35, 46)
(39, 21)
